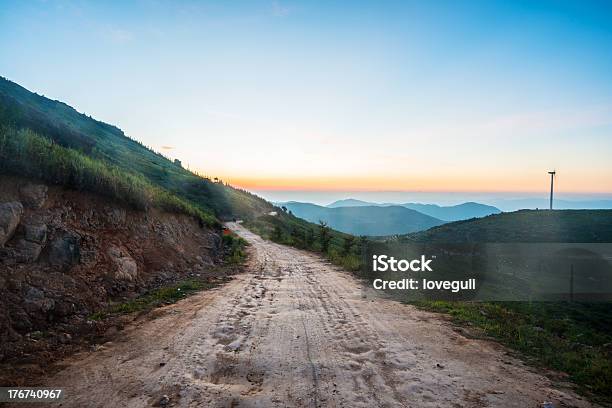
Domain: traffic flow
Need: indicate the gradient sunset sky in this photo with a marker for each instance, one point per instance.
(473, 96)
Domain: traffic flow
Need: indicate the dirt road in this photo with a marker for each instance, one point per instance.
(296, 331)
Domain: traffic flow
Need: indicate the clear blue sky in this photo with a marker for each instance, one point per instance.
(424, 95)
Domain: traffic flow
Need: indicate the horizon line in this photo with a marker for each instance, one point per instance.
(433, 191)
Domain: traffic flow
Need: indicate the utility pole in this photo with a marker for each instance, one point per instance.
(552, 180)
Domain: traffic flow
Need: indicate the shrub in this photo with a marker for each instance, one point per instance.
(234, 248)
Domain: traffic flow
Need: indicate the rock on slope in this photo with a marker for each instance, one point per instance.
(64, 254)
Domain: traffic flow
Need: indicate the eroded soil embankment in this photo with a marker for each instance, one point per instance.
(65, 254)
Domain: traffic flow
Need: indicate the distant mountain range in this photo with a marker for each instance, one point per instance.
(445, 213)
(365, 220)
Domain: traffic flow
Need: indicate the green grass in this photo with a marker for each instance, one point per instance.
(575, 338)
(235, 249)
(234, 254)
(162, 296)
(289, 230)
(25, 153)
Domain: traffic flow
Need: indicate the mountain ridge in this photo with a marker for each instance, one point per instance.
(450, 213)
(365, 220)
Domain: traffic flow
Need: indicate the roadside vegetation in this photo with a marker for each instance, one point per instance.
(235, 249)
(341, 249)
(574, 338)
(162, 296)
(234, 255)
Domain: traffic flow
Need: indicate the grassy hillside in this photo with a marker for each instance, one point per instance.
(525, 226)
(365, 220)
(342, 249)
(104, 143)
(25, 153)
